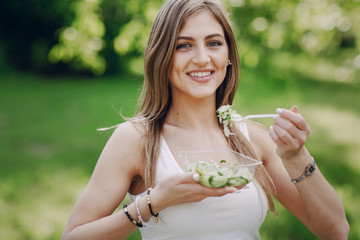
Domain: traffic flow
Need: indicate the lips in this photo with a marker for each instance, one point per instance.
(201, 76)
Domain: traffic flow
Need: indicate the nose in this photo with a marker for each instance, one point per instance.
(201, 56)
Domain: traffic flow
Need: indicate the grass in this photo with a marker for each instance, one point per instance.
(49, 144)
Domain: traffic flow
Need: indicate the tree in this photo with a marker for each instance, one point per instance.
(320, 38)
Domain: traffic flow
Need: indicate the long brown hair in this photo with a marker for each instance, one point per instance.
(156, 96)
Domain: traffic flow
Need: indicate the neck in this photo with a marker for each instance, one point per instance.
(193, 113)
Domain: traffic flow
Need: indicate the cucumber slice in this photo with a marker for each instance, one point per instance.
(237, 181)
(215, 176)
(218, 181)
(203, 168)
(204, 180)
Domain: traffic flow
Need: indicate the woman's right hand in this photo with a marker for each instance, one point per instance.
(183, 188)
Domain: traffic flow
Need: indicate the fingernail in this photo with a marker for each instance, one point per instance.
(279, 110)
(271, 128)
(196, 177)
(295, 108)
(233, 189)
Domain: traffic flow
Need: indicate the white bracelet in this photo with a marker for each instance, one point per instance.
(138, 211)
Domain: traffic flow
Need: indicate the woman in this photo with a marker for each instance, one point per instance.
(191, 69)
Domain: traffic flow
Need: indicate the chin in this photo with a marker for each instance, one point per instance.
(204, 94)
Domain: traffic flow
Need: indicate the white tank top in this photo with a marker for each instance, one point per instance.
(233, 216)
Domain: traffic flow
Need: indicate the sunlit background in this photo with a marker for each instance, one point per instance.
(69, 67)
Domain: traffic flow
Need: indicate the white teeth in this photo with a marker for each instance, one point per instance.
(200, 74)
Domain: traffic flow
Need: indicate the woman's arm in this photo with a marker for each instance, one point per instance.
(92, 216)
(120, 162)
(313, 201)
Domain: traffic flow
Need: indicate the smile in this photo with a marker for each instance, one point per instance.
(200, 74)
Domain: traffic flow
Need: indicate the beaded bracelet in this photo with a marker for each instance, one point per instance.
(156, 215)
(130, 218)
(138, 212)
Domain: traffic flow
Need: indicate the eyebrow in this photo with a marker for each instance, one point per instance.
(207, 37)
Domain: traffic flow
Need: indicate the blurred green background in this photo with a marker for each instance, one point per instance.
(69, 67)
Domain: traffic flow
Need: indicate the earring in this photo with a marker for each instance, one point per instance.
(229, 62)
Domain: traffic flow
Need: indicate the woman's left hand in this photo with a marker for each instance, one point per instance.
(290, 132)
(309, 199)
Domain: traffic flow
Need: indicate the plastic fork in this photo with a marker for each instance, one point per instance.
(238, 118)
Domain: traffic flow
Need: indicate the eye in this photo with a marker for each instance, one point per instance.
(183, 46)
(214, 44)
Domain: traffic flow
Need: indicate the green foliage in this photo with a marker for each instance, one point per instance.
(110, 36)
(133, 35)
(324, 32)
(82, 42)
(120, 27)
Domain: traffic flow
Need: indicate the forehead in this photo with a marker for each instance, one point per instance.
(201, 23)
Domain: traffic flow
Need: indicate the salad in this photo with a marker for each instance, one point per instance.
(225, 114)
(219, 175)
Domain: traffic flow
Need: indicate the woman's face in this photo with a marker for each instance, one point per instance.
(201, 58)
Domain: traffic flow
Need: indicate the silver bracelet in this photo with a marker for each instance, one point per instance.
(309, 170)
(138, 211)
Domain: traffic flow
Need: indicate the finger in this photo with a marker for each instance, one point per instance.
(283, 135)
(276, 138)
(181, 178)
(295, 109)
(298, 136)
(287, 126)
(196, 177)
(189, 177)
(272, 134)
(240, 187)
(216, 192)
(293, 117)
(226, 190)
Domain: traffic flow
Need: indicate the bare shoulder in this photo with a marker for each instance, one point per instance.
(122, 157)
(131, 132)
(126, 144)
(118, 164)
(261, 140)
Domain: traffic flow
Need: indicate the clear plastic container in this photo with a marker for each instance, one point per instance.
(220, 167)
